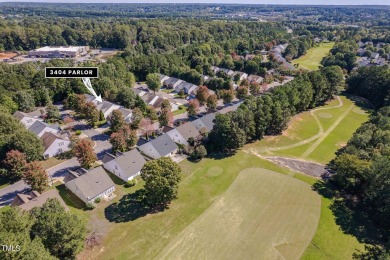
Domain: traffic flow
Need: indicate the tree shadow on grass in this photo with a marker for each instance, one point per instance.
(352, 216)
(324, 188)
(130, 207)
(356, 220)
(220, 156)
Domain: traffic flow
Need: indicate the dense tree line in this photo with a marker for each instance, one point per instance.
(372, 83)
(342, 54)
(14, 136)
(311, 14)
(298, 47)
(269, 114)
(45, 233)
(362, 177)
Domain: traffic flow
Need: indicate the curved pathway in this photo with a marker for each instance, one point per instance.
(320, 133)
(331, 128)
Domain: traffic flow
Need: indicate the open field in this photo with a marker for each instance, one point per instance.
(315, 135)
(263, 215)
(133, 236)
(311, 60)
(144, 237)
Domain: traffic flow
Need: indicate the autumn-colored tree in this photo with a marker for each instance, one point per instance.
(91, 113)
(77, 102)
(212, 102)
(255, 88)
(202, 94)
(147, 127)
(242, 92)
(166, 117)
(193, 107)
(84, 152)
(116, 120)
(244, 82)
(69, 121)
(35, 176)
(166, 104)
(227, 95)
(15, 163)
(124, 139)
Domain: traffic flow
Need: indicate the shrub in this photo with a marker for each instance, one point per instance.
(78, 132)
(97, 200)
(90, 205)
(131, 183)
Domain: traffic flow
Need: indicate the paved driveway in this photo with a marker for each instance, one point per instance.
(60, 170)
(8, 193)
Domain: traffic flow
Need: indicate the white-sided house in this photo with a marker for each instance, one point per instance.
(90, 185)
(39, 128)
(26, 119)
(55, 144)
(126, 165)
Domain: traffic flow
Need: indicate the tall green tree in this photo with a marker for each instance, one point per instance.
(52, 112)
(62, 233)
(161, 178)
(116, 120)
(153, 82)
(25, 101)
(226, 135)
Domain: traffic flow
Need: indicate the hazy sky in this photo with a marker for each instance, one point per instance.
(280, 2)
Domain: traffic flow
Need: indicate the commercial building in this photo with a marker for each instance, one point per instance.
(59, 52)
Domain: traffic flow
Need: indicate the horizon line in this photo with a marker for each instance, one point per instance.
(179, 2)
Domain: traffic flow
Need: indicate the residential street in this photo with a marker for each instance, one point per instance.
(8, 193)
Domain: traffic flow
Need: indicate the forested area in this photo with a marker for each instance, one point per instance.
(372, 83)
(342, 54)
(361, 15)
(46, 233)
(362, 168)
(269, 114)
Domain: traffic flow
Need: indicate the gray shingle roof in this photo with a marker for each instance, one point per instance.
(188, 130)
(91, 184)
(34, 199)
(204, 122)
(130, 162)
(37, 127)
(20, 115)
(159, 147)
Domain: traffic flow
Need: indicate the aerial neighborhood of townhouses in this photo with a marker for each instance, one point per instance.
(205, 126)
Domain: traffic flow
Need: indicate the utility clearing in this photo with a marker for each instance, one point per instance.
(312, 59)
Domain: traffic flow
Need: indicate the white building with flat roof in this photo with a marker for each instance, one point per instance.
(59, 51)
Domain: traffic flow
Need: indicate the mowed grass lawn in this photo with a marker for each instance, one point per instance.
(338, 123)
(263, 215)
(203, 184)
(311, 60)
